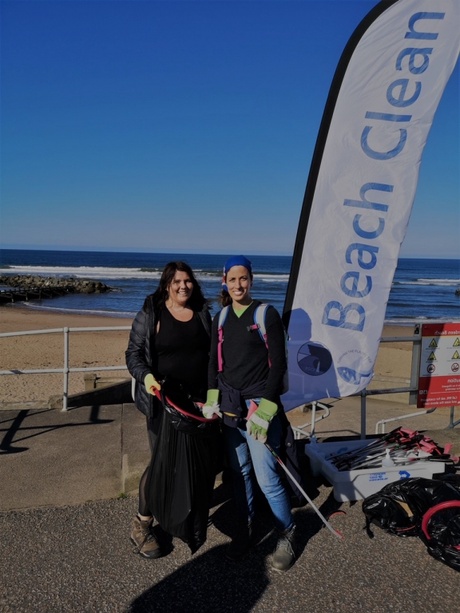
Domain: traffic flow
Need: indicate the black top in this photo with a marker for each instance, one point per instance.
(181, 352)
(245, 356)
(141, 351)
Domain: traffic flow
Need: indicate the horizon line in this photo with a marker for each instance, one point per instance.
(193, 252)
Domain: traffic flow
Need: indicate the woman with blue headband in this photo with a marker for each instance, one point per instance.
(245, 381)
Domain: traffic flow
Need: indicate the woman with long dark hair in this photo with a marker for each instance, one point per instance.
(169, 339)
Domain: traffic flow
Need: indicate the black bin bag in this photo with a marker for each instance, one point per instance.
(183, 468)
(427, 508)
(441, 528)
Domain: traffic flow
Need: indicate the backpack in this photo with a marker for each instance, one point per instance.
(259, 324)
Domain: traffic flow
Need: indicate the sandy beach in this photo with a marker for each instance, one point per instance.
(107, 348)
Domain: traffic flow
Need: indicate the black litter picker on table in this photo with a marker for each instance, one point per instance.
(183, 467)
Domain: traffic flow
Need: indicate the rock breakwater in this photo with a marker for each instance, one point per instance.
(35, 287)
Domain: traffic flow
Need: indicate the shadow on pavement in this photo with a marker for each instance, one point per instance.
(19, 431)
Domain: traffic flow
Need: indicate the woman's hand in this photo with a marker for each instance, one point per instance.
(211, 406)
(151, 384)
(259, 420)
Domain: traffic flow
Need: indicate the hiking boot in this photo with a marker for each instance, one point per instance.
(284, 554)
(240, 545)
(144, 539)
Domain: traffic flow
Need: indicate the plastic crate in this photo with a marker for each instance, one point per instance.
(360, 483)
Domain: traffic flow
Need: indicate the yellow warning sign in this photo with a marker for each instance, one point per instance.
(439, 373)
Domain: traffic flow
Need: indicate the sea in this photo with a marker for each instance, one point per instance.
(422, 289)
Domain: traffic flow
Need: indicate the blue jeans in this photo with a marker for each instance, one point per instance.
(250, 459)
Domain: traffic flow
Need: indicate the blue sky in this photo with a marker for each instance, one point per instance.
(184, 126)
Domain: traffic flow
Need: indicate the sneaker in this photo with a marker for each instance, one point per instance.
(144, 539)
(240, 545)
(284, 555)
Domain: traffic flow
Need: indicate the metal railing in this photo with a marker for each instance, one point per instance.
(411, 389)
(415, 339)
(66, 370)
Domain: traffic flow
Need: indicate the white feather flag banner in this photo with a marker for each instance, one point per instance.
(360, 192)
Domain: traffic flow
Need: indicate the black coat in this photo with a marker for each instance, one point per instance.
(139, 354)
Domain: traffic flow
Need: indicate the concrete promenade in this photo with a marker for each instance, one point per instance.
(68, 493)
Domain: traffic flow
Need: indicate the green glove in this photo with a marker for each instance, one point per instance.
(211, 406)
(151, 384)
(259, 420)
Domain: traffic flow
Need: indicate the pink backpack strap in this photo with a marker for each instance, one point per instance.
(220, 338)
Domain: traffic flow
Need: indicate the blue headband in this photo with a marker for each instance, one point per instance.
(237, 260)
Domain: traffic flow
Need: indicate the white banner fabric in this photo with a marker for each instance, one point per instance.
(389, 85)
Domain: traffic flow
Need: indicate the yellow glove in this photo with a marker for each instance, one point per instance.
(151, 384)
(211, 406)
(259, 420)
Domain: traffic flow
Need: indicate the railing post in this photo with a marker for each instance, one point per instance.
(415, 364)
(363, 414)
(65, 394)
(453, 423)
(313, 417)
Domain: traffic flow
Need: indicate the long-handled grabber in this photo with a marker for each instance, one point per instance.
(316, 510)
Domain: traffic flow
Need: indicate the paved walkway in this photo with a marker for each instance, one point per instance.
(67, 496)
